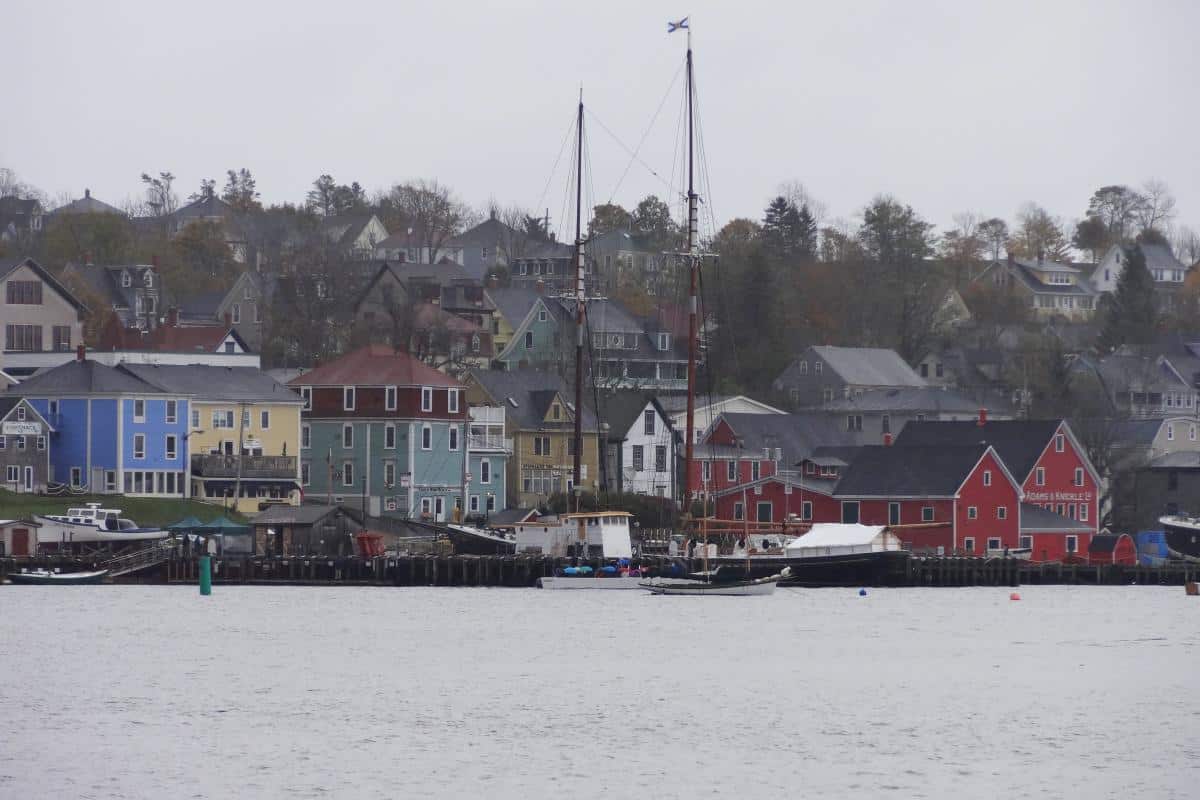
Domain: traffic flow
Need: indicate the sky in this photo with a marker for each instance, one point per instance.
(948, 106)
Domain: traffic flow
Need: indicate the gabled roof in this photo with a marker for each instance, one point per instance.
(375, 365)
(488, 233)
(9, 402)
(1107, 542)
(1135, 432)
(862, 366)
(294, 515)
(825, 487)
(935, 399)
(7, 265)
(202, 207)
(105, 280)
(201, 305)
(677, 403)
(214, 383)
(1018, 442)
(173, 339)
(344, 229)
(83, 377)
(525, 395)
(796, 435)
(623, 410)
(1034, 518)
(513, 303)
(880, 471)
(1024, 274)
(87, 205)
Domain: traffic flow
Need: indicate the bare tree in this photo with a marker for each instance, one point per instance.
(161, 199)
(1186, 244)
(994, 234)
(798, 195)
(1157, 207)
(12, 186)
(434, 212)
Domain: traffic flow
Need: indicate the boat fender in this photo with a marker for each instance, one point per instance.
(862, 592)
(1014, 596)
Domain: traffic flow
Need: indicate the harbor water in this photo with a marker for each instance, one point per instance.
(154, 691)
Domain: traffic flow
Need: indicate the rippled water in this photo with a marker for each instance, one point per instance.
(127, 691)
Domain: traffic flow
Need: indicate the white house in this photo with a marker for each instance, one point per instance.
(709, 409)
(641, 445)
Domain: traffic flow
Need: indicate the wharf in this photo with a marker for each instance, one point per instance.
(524, 570)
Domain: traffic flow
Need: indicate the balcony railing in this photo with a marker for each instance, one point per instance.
(226, 466)
(487, 442)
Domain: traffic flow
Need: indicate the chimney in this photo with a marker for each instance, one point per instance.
(228, 320)
(80, 353)
(887, 440)
(982, 417)
(154, 262)
(493, 282)
(87, 258)
(540, 286)
(172, 317)
(87, 193)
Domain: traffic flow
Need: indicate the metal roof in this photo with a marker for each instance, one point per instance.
(214, 383)
(881, 471)
(1034, 518)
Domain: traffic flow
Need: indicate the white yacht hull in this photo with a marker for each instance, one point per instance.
(592, 582)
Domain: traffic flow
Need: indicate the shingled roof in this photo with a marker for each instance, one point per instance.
(214, 383)
(797, 435)
(375, 365)
(869, 366)
(83, 377)
(1018, 442)
(525, 395)
(880, 471)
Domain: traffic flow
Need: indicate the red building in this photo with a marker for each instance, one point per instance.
(1051, 467)
(955, 498)
(775, 498)
(1110, 548)
(717, 468)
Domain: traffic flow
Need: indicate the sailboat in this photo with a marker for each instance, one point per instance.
(723, 581)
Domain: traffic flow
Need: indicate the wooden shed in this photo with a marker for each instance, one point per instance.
(1112, 548)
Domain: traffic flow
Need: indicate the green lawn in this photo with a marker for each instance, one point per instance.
(146, 511)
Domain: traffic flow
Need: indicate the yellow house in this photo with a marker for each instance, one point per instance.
(540, 416)
(244, 435)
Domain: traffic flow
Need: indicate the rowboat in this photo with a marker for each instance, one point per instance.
(46, 578)
(713, 587)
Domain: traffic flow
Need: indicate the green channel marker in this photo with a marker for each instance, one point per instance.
(205, 575)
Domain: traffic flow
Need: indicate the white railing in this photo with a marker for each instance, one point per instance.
(487, 415)
(487, 442)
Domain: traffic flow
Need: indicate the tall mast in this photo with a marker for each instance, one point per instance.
(693, 275)
(580, 302)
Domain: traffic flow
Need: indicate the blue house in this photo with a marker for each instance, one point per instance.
(113, 433)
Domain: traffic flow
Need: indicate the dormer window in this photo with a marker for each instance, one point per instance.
(347, 398)
(664, 341)
(126, 281)
(148, 278)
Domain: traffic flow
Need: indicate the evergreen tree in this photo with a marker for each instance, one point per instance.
(1130, 316)
(806, 234)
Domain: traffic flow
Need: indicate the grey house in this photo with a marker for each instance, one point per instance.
(822, 374)
(1169, 484)
(24, 446)
(133, 291)
(870, 415)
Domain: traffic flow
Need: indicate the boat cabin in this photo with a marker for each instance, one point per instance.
(108, 519)
(607, 535)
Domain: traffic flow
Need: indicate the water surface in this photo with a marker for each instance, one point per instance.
(130, 691)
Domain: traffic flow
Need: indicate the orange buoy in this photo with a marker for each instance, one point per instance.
(1014, 596)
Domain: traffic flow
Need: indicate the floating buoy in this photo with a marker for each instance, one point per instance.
(1014, 596)
(862, 592)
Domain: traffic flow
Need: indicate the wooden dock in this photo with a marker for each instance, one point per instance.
(524, 571)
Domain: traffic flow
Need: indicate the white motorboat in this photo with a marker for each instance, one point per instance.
(92, 524)
(44, 577)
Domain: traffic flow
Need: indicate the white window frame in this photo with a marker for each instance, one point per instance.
(1060, 442)
(528, 340)
(171, 447)
(485, 471)
(1001, 512)
(1079, 476)
(389, 436)
(972, 512)
(1072, 543)
(40, 443)
(347, 473)
(968, 544)
(927, 514)
(389, 473)
(306, 396)
(452, 401)
(305, 436)
(264, 419)
(347, 444)
(139, 403)
(999, 543)
(426, 399)
(426, 437)
(806, 510)
(896, 507)
(390, 395)
(732, 470)
(1039, 476)
(139, 438)
(1083, 512)
(706, 471)
(172, 411)
(452, 438)
(348, 398)
(305, 473)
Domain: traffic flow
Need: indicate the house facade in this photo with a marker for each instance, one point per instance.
(243, 433)
(1167, 271)
(823, 374)
(783, 498)
(38, 313)
(113, 432)
(489, 449)
(1050, 288)
(641, 445)
(134, 292)
(25, 441)
(540, 418)
(382, 428)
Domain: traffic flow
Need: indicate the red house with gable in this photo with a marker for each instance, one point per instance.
(1053, 470)
(956, 498)
(778, 497)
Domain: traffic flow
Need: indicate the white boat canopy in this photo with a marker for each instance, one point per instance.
(841, 539)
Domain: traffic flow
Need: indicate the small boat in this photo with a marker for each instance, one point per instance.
(1182, 535)
(92, 525)
(45, 577)
(583, 534)
(590, 582)
(712, 585)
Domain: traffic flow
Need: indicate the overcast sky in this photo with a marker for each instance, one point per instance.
(948, 105)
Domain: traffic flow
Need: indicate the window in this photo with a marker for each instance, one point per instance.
(854, 422)
(664, 341)
(305, 436)
(924, 370)
(1072, 544)
(3, 442)
(485, 471)
(426, 437)
(389, 473)
(648, 422)
(172, 410)
(172, 447)
(940, 370)
(139, 410)
(474, 504)
(389, 437)
(53, 406)
(1001, 512)
(20, 413)
(452, 401)
(62, 338)
(542, 316)
(20, 442)
(76, 476)
(389, 398)
(347, 436)
(139, 445)
(1191, 431)
(41, 443)
(972, 512)
(639, 462)
(806, 509)
(887, 423)
(347, 473)
(475, 343)
(738, 511)
(731, 470)
(305, 473)
(1170, 431)
(1083, 512)
(893, 513)
(706, 471)
(1040, 476)
(25, 293)
(755, 470)
(237, 313)
(528, 340)
(660, 458)
(257, 312)
(453, 438)
(1071, 510)
(347, 398)
(23, 337)
(803, 367)
(306, 396)
(1026, 542)
(850, 512)
(1060, 443)
(264, 420)
(969, 544)
(817, 366)
(426, 398)
(491, 502)
(987, 477)
(245, 418)
(827, 394)
(994, 543)
(13, 474)
(1079, 476)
